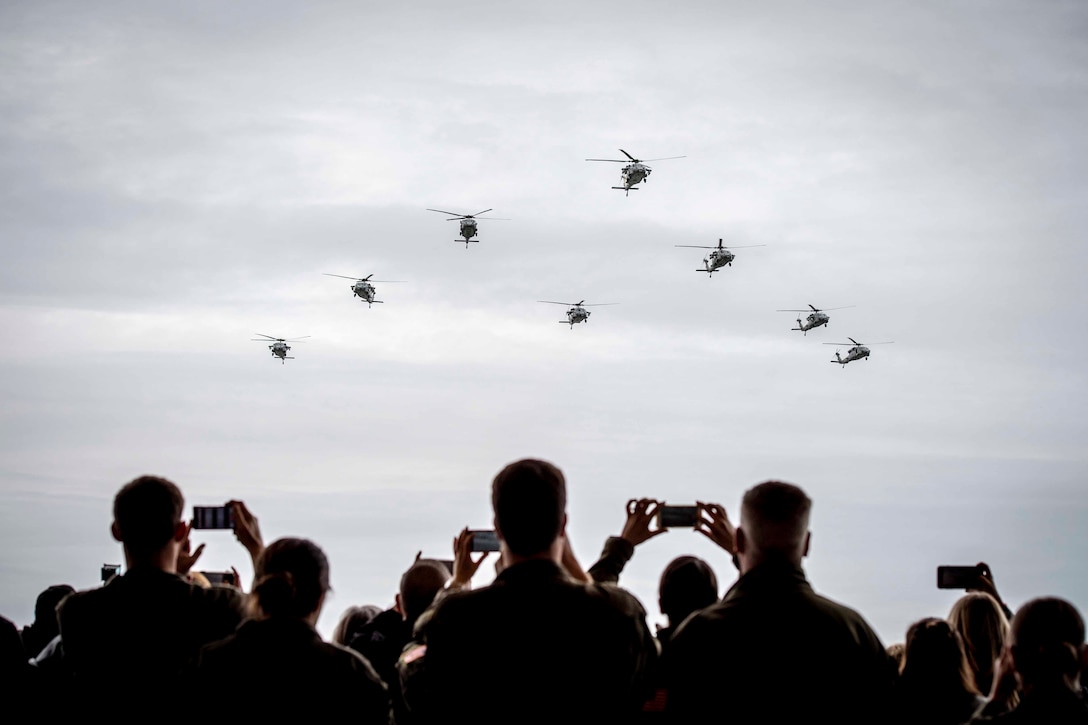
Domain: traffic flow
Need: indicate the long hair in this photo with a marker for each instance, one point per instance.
(937, 683)
(984, 629)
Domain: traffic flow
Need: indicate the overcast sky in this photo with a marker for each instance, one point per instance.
(177, 176)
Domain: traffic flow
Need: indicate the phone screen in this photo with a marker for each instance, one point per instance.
(669, 516)
(957, 577)
(484, 541)
(212, 517)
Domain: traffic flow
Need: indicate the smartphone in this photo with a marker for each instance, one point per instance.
(670, 516)
(484, 541)
(109, 571)
(957, 577)
(212, 517)
(220, 577)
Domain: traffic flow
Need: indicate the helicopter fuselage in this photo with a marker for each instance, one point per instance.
(577, 314)
(858, 352)
(279, 349)
(816, 319)
(717, 259)
(468, 228)
(364, 291)
(632, 174)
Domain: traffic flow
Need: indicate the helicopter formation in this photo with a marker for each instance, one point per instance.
(634, 172)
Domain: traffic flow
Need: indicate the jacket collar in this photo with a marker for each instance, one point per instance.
(771, 576)
(533, 570)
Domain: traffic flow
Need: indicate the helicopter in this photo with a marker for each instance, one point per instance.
(857, 352)
(635, 171)
(363, 289)
(815, 318)
(719, 257)
(577, 312)
(468, 224)
(279, 346)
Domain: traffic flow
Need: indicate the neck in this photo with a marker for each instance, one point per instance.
(552, 553)
(165, 559)
(752, 559)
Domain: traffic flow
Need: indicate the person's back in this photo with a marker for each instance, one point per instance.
(278, 663)
(535, 646)
(548, 648)
(142, 627)
(143, 630)
(773, 650)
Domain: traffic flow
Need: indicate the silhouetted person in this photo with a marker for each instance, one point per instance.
(138, 634)
(37, 635)
(535, 646)
(382, 640)
(687, 585)
(1045, 654)
(276, 668)
(773, 651)
(936, 685)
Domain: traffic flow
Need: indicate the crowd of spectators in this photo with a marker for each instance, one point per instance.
(546, 642)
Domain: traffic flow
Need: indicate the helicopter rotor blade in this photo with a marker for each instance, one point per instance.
(337, 275)
(832, 309)
(628, 156)
(694, 246)
(277, 339)
(853, 341)
(389, 281)
(295, 339)
(549, 302)
(615, 161)
(664, 158)
(470, 216)
(599, 304)
(451, 213)
(743, 246)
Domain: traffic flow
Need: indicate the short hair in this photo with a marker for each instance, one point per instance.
(420, 585)
(1047, 636)
(774, 515)
(147, 511)
(292, 575)
(529, 498)
(688, 584)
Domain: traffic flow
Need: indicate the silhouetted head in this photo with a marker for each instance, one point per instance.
(292, 579)
(45, 608)
(687, 585)
(529, 498)
(984, 629)
(351, 621)
(934, 664)
(419, 586)
(774, 523)
(1047, 638)
(146, 515)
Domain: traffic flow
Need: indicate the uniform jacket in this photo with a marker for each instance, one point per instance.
(774, 651)
(534, 647)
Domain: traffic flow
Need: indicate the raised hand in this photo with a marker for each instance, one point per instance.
(246, 529)
(714, 524)
(464, 567)
(640, 514)
(185, 558)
